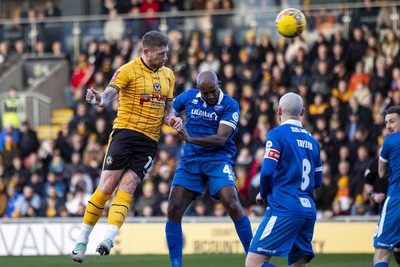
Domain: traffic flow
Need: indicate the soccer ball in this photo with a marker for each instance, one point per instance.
(290, 22)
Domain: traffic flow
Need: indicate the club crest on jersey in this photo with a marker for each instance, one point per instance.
(157, 87)
(109, 160)
(235, 116)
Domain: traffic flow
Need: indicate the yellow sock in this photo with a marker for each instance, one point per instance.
(119, 208)
(95, 207)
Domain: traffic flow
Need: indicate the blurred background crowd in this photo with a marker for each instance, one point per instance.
(346, 83)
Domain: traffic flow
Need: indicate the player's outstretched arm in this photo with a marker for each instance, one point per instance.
(94, 97)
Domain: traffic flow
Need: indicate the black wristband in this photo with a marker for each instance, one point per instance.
(371, 193)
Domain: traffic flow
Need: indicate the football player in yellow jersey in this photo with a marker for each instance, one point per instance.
(145, 87)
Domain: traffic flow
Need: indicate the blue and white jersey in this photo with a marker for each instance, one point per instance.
(291, 170)
(204, 120)
(390, 153)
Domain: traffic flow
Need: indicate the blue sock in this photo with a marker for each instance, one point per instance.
(382, 264)
(267, 264)
(243, 229)
(173, 232)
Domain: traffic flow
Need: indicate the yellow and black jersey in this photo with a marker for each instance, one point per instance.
(142, 97)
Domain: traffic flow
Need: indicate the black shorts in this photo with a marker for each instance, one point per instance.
(129, 149)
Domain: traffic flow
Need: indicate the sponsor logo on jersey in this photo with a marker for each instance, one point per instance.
(144, 98)
(218, 107)
(204, 114)
(155, 99)
(305, 202)
(159, 98)
(260, 249)
(158, 101)
(157, 87)
(383, 244)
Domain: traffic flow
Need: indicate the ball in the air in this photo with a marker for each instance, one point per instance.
(290, 22)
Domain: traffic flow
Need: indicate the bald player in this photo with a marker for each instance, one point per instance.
(291, 170)
(208, 157)
(145, 87)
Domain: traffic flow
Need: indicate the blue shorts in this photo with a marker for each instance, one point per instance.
(387, 232)
(194, 175)
(284, 236)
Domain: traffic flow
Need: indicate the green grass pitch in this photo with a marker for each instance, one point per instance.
(209, 260)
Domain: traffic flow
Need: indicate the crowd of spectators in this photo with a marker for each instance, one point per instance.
(346, 84)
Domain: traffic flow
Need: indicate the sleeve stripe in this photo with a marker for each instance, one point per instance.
(383, 159)
(318, 169)
(229, 124)
(114, 86)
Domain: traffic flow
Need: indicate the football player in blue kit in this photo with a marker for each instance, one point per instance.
(207, 160)
(291, 170)
(387, 232)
